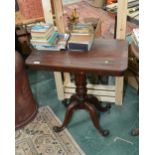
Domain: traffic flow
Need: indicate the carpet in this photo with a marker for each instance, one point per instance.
(38, 137)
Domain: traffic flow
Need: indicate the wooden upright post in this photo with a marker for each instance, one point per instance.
(120, 34)
(59, 85)
(121, 19)
(49, 12)
(58, 9)
(47, 9)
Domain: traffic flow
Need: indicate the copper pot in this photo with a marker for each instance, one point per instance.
(25, 105)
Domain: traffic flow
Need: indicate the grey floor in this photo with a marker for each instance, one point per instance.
(120, 120)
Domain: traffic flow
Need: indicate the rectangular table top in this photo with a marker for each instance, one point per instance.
(108, 57)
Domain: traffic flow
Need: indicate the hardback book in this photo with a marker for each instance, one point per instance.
(51, 40)
(82, 29)
(49, 47)
(136, 33)
(42, 37)
(60, 44)
(135, 36)
(41, 27)
(80, 43)
(42, 34)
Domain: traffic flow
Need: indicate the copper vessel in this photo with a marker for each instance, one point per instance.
(25, 105)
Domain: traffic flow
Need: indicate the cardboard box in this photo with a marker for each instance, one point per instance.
(96, 22)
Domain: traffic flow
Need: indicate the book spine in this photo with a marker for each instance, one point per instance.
(77, 47)
(42, 38)
(53, 38)
(45, 47)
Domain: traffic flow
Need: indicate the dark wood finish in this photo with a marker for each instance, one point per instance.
(26, 107)
(83, 101)
(108, 57)
(134, 60)
(135, 51)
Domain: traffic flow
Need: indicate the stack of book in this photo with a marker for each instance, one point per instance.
(135, 36)
(45, 37)
(81, 37)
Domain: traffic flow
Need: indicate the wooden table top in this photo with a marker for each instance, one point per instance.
(108, 57)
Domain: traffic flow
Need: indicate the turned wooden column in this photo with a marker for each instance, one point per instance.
(81, 90)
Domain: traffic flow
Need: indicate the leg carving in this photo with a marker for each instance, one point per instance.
(68, 116)
(93, 115)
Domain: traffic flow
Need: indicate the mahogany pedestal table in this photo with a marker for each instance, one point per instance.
(107, 57)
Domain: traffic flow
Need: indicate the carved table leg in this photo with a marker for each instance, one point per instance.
(81, 100)
(68, 116)
(95, 119)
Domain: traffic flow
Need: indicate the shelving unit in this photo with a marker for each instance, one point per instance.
(53, 12)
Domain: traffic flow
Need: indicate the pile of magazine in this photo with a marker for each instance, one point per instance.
(46, 37)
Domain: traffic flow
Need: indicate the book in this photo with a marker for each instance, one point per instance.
(60, 44)
(82, 29)
(78, 47)
(135, 36)
(136, 33)
(49, 47)
(51, 40)
(41, 27)
(42, 34)
(40, 38)
(80, 39)
(80, 43)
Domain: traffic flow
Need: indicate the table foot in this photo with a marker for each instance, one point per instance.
(57, 129)
(104, 132)
(93, 114)
(71, 107)
(135, 132)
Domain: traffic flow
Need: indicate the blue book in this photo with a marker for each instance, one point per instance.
(41, 27)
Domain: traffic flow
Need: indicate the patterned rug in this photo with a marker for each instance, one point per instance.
(38, 138)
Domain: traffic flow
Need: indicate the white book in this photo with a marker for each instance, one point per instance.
(136, 34)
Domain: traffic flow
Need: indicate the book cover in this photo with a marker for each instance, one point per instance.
(136, 34)
(51, 40)
(41, 27)
(80, 43)
(81, 39)
(42, 34)
(78, 47)
(60, 44)
(46, 37)
(82, 29)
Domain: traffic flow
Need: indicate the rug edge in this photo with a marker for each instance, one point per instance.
(66, 130)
